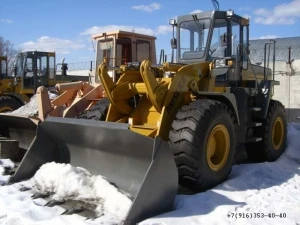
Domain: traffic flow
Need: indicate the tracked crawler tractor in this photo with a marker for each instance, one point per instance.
(174, 123)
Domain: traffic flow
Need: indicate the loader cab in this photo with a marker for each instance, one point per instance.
(122, 48)
(3, 67)
(221, 37)
(35, 69)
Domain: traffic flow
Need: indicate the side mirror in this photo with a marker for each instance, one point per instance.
(173, 43)
(243, 57)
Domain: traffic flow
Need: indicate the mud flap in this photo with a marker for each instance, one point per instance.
(20, 128)
(138, 165)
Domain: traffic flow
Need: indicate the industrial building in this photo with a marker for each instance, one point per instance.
(287, 70)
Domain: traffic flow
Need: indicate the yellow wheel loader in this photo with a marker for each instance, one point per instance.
(31, 70)
(7, 102)
(170, 124)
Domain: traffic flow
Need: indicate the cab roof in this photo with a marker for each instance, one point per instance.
(122, 33)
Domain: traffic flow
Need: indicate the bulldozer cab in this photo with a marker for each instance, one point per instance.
(121, 48)
(3, 67)
(35, 68)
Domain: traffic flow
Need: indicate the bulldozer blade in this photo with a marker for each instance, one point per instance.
(20, 128)
(140, 166)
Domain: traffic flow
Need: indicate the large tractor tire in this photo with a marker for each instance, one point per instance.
(8, 104)
(203, 137)
(96, 112)
(274, 135)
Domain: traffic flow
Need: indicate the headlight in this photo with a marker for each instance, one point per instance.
(168, 74)
(229, 13)
(172, 22)
(220, 63)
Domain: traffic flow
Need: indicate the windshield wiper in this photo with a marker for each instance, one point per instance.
(200, 29)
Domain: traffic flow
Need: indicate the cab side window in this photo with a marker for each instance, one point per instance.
(51, 67)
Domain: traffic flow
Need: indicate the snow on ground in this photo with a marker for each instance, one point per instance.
(252, 190)
(65, 182)
(31, 108)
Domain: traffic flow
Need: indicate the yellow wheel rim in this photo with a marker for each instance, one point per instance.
(5, 109)
(218, 147)
(277, 133)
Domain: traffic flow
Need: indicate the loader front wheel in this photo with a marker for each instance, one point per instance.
(96, 112)
(8, 104)
(274, 135)
(203, 140)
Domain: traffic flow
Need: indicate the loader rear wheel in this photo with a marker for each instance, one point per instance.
(274, 135)
(8, 104)
(203, 140)
(96, 112)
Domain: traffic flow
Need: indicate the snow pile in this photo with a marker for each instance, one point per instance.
(64, 182)
(52, 95)
(5, 164)
(68, 182)
(253, 190)
(31, 108)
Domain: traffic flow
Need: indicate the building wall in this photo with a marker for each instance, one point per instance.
(288, 92)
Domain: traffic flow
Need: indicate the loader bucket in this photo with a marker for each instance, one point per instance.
(20, 128)
(138, 165)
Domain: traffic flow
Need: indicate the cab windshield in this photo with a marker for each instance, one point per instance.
(193, 38)
(20, 66)
(105, 49)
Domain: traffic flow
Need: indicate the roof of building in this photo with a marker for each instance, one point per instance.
(281, 50)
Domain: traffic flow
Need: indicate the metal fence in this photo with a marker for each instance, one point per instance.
(91, 65)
